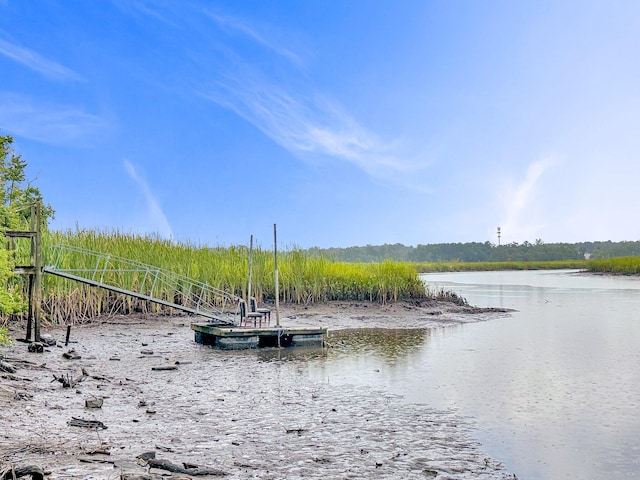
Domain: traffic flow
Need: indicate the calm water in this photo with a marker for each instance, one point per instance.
(553, 389)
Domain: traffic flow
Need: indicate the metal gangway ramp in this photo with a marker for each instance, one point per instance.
(145, 282)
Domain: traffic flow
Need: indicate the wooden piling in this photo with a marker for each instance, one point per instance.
(33, 270)
(275, 262)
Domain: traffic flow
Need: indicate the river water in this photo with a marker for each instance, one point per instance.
(553, 389)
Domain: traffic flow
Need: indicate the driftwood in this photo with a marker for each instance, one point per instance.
(12, 472)
(86, 459)
(69, 382)
(168, 367)
(22, 395)
(172, 467)
(7, 367)
(9, 376)
(102, 450)
(165, 449)
(137, 476)
(8, 372)
(100, 377)
(71, 355)
(81, 422)
(188, 469)
(26, 363)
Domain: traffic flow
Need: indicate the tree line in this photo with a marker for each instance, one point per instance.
(538, 251)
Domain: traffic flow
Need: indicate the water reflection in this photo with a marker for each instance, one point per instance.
(300, 354)
(388, 344)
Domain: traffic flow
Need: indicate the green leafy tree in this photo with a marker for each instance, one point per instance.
(16, 197)
(10, 299)
(16, 193)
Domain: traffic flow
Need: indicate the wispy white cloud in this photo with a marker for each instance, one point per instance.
(305, 125)
(49, 122)
(165, 14)
(523, 219)
(241, 26)
(155, 219)
(37, 62)
(278, 97)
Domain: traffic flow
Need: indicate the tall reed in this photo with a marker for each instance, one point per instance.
(303, 278)
(617, 266)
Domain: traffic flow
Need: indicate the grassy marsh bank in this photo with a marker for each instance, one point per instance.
(434, 267)
(303, 278)
(616, 266)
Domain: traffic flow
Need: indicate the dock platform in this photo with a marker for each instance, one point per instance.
(239, 338)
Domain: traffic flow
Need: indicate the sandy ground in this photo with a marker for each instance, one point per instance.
(247, 414)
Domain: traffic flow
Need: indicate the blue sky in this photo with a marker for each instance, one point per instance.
(344, 122)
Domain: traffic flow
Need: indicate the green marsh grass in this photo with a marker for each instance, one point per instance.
(5, 339)
(617, 266)
(434, 267)
(303, 278)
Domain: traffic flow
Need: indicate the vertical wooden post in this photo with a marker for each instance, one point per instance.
(32, 278)
(34, 270)
(66, 340)
(38, 273)
(30, 308)
(250, 268)
(275, 261)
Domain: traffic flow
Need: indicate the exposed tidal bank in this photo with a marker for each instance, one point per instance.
(245, 414)
(419, 314)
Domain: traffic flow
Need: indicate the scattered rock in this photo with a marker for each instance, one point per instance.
(48, 340)
(93, 402)
(71, 355)
(36, 347)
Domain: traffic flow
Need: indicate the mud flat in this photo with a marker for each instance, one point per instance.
(421, 314)
(236, 415)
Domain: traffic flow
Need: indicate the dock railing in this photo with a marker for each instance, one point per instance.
(146, 282)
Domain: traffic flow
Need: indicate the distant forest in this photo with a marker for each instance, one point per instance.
(481, 252)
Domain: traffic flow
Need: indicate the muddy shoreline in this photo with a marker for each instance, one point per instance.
(246, 414)
(422, 314)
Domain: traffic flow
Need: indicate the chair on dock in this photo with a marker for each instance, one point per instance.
(266, 312)
(253, 314)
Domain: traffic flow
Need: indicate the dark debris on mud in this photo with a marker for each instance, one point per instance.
(235, 415)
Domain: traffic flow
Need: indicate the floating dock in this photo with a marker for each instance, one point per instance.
(239, 338)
